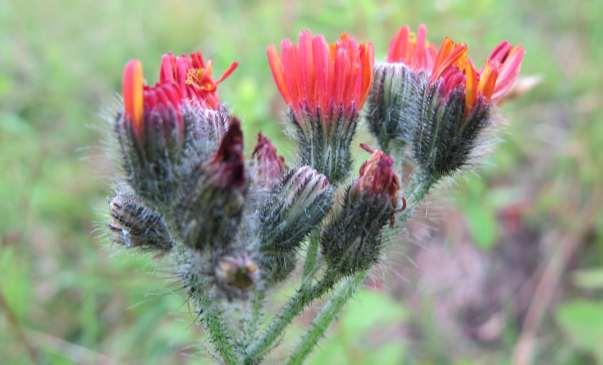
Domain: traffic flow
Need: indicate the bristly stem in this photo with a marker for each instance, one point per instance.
(296, 304)
(311, 256)
(328, 313)
(254, 316)
(214, 323)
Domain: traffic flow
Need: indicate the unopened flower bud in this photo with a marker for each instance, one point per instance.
(236, 274)
(352, 240)
(267, 167)
(457, 105)
(325, 88)
(209, 211)
(395, 97)
(295, 207)
(393, 104)
(134, 225)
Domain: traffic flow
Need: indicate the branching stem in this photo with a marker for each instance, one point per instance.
(326, 316)
(214, 323)
(296, 304)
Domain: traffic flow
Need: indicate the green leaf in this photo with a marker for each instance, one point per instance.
(15, 281)
(582, 321)
(370, 309)
(482, 224)
(591, 279)
(367, 311)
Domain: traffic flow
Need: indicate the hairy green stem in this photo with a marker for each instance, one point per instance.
(214, 323)
(418, 188)
(311, 256)
(253, 317)
(296, 304)
(321, 323)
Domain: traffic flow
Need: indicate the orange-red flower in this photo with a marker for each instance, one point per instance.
(186, 77)
(194, 77)
(164, 99)
(453, 69)
(412, 49)
(317, 78)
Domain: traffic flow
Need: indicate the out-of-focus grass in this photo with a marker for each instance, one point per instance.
(60, 69)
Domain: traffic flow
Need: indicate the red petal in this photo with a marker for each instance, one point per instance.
(276, 67)
(320, 51)
(508, 72)
(132, 91)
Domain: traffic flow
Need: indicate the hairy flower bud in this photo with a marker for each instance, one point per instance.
(398, 86)
(295, 207)
(393, 104)
(352, 239)
(134, 225)
(209, 211)
(267, 167)
(325, 87)
(206, 129)
(457, 105)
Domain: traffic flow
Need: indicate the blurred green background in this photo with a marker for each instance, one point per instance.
(508, 269)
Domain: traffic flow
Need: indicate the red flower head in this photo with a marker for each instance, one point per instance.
(316, 78)
(142, 102)
(454, 69)
(269, 166)
(412, 49)
(377, 176)
(194, 77)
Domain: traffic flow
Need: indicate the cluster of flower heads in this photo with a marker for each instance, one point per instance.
(237, 223)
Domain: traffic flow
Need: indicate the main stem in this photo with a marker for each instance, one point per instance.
(213, 320)
(296, 304)
(328, 313)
